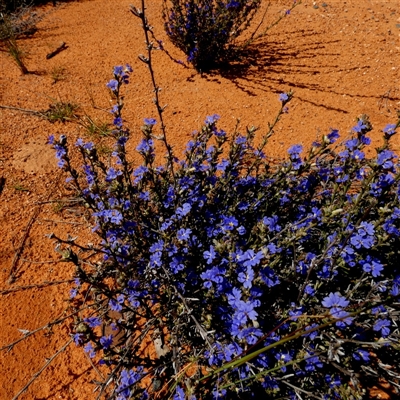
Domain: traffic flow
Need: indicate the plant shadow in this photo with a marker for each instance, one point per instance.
(270, 64)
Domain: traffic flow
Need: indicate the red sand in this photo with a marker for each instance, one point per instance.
(341, 61)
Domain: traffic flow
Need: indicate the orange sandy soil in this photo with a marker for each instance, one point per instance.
(341, 59)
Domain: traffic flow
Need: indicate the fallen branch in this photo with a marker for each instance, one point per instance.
(48, 362)
(60, 48)
(46, 326)
(17, 255)
(25, 110)
(38, 285)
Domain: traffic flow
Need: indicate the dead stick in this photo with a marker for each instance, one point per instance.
(48, 325)
(36, 375)
(18, 253)
(38, 285)
(60, 48)
(25, 110)
(39, 262)
(71, 200)
(30, 333)
(61, 222)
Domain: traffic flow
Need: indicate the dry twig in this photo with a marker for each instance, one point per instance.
(34, 286)
(48, 362)
(17, 255)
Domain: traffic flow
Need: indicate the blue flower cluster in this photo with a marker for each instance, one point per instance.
(206, 30)
(265, 280)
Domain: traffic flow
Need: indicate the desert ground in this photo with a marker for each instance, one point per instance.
(340, 58)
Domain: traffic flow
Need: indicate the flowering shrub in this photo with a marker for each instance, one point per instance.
(206, 30)
(242, 277)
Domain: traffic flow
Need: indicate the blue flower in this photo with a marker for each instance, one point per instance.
(150, 121)
(179, 394)
(215, 274)
(241, 230)
(359, 241)
(366, 229)
(283, 97)
(183, 234)
(309, 290)
(372, 265)
(118, 122)
(342, 315)
(270, 384)
(365, 140)
(218, 393)
(73, 292)
(139, 173)
(155, 259)
(118, 70)
(90, 350)
(312, 335)
(209, 256)
(351, 144)
(312, 362)
(144, 195)
(176, 265)
(283, 358)
(295, 149)
(251, 335)
(395, 291)
(389, 129)
(232, 4)
(106, 341)
(128, 379)
(359, 127)
(245, 310)
(385, 159)
(145, 146)
(88, 146)
(78, 338)
(361, 355)
(246, 277)
(184, 210)
(116, 305)
(112, 174)
(358, 155)
(228, 223)
(382, 325)
(112, 85)
(333, 135)
(335, 300)
(272, 223)
(211, 119)
(251, 259)
(93, 321)
(333, 381)
(241, 140)
(269, 277)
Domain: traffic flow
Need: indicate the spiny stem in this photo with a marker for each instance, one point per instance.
(34, 286)
(309, 394)
(37, 374)
(146, 29)
(46, 326)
